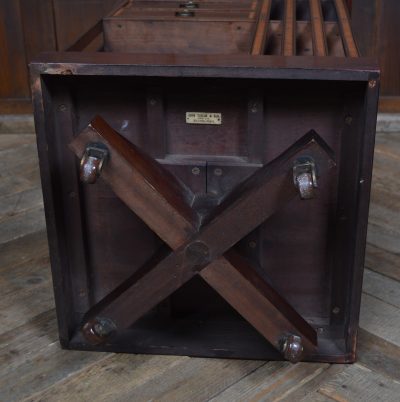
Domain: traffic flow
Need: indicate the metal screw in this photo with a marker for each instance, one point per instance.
(336, 310)
(196, 171)
(152, 101)
(218, 172)
(348, 120)
(62, 108)
(252, 244)
(254, 108)
(372, 84)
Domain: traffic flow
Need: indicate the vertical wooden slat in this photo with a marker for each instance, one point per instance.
(318, 29)
(289, 33)
(260, 37)
(345, 28)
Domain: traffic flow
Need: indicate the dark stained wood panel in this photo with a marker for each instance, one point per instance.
(74, 17)
(28, 27)
(377, 31)
(13, 70)
(38, 27)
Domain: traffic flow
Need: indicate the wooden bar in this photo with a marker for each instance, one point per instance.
(261, 35)
(289, 30)
(318, 29)
(166, 210)
(93, 33)
(89, 37)
(345, 28)
(257, 301)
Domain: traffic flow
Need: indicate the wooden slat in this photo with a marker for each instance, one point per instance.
(358, 383)
(380, 319)
(260, 37)
(345, 28)
(271, 382)
(378, 354)
(318, 29)
(289, 30)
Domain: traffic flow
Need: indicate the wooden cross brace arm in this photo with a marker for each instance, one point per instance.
(164, 205)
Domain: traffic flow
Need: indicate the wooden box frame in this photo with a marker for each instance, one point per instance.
(54, 80)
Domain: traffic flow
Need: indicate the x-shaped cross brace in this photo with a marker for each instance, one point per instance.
(200, 245)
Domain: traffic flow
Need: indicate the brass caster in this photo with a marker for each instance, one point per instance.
(98, 330)
(305, 177)
(292, 348)
(92, 162)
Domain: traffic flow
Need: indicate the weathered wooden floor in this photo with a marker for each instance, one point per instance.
(34, 368)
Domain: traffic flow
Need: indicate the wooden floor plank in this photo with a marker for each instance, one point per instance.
(378, 354)
(382, 261)
(112, 379)
(42, 371)
(380, 319)
(384, 238)
(272, 382)
(20, 306)
(309, 386)
(22, 250)
(27, 341)
(358, 383)
(13, 227)
(17, 203)
(381, 287)
(26, 275)
(196, 379)
(25, 281)
(161, 378)
(9, 141)
(15, 159)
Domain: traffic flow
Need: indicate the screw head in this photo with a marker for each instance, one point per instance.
(348, 120)
(372, 83)
(197, 254)
(196, 171)
(218, 172)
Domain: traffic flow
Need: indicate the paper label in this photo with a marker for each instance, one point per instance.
(203, 118)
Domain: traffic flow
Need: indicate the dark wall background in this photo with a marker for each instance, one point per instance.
(28, 27)
(376, 25)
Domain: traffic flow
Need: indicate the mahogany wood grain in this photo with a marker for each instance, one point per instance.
(289, 29)
(318, 29)
(345, 27)
(260, 37)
